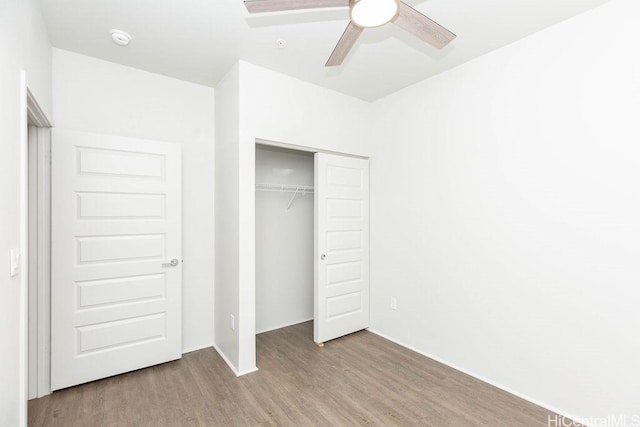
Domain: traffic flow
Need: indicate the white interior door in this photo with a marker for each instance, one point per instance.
(342, 246)
(116, 225)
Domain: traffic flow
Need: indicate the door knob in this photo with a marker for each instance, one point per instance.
(173, 263)
(323, 257)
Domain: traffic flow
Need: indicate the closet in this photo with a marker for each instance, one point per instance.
(284, 203)
(312, 241)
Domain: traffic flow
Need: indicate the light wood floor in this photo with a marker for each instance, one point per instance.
(360, 379)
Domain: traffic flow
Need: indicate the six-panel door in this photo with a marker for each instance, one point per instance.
(116, 225)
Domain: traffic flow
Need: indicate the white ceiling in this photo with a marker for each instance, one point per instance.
(199, 40)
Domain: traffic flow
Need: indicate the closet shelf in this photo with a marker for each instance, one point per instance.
(285, 188)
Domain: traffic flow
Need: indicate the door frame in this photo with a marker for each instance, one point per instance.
(30, 114)
(295, 147)
(39, 259)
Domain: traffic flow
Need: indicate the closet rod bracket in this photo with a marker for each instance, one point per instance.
(293, 198)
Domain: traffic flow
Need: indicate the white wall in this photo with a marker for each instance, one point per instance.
(269, 106)
(24, 45)
(506, 215)
(284, 240)
(226, 218)
(98, 96)
(279, 108)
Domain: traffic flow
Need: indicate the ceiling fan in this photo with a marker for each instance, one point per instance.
(364, 14)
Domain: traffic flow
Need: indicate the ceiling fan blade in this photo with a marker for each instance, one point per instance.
(422, 27)
(346, 42)
(259, 6)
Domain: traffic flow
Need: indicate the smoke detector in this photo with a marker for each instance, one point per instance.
(120, 38)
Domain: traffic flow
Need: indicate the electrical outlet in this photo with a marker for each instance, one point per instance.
(393, 303)
(233, 322)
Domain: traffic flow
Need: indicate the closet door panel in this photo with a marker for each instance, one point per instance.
(342, 246)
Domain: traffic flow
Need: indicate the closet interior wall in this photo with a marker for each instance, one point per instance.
(284, 239)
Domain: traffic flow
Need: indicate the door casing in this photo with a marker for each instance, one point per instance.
(30, 114)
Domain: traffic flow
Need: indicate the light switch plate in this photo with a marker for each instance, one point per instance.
(14, 262)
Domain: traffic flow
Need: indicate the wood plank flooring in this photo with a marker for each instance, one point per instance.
(360, 379)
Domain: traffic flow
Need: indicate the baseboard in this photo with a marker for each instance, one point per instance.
(297, 322)
(479, 377)
(189, 350)
(231, 366)
(247, 371)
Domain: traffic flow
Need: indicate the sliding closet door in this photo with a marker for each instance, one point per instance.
(342, 246)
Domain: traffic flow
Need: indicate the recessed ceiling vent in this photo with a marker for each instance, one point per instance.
(120, 38)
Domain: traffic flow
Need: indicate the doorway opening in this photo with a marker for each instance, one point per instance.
(311, 241)
(284, 235)
(39, 259)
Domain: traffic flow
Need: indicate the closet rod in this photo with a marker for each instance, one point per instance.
(285, 188)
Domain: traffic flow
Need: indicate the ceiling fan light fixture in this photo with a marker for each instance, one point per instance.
(373, 13)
